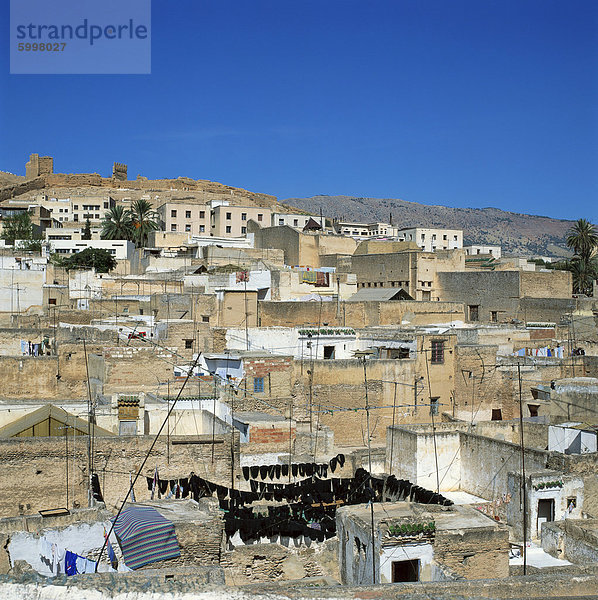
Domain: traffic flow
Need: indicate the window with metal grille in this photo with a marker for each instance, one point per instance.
(437, 351)
(258, 384)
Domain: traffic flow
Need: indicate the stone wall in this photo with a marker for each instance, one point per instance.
(34, 469)
(356, 314)
(473, 554)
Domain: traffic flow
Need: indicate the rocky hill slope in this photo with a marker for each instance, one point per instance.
(521, 234)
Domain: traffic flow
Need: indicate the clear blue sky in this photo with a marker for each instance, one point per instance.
(462, 103)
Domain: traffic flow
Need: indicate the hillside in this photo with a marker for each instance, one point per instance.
(517, 233)
(7, 178)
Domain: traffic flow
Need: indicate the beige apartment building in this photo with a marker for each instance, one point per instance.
(183, 217)
(231, 221)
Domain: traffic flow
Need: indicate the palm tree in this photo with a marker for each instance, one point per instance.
(145, 219)
(117, 224)
(583, 272)
(582, 239)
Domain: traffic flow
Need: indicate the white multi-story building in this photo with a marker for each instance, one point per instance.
(365, 230)
(432, 239)
(494, 251)
(295, 220)
(120, 249)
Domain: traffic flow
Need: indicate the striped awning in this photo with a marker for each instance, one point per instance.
(145, 536)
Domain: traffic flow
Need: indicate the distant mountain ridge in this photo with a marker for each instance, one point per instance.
(521, 234)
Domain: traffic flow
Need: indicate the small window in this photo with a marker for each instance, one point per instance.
(243, 216)
(437, 352)
(281, 221)
(188, 344)
(328, 352)
(260, 217)
(202, 229)
(571, 503)
(295, 222)
(205, 319)
(52, 301)
(173, 227)
(141, 311)
(496, 414)
(105, 204)
(187, 214)
(173, 213)
(243, 230)
(474, 312)
(434, 403)
(494, 316)
(533, 409)
(229, 216)
(258, 384)
(188, 227)
(405, 570)
(76, 207)
(202, 214)
(228, 229)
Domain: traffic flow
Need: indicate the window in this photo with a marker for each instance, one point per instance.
(173, 227)
(494, 316)
(228, 229)
(202, 229)
(444, 237)
(496, 414)
(188, 344)
(258, 384)
(205, 319)
(105, 204)
(243, 216)
(434, 402)
(571, 503)
(437, 352)
(187, 214)
(52, 301)
(533, 409)
(188, 227)
(173, 213)
(295, 222)
(260, 217)
(76, 207)
(243, 230)
(75, 218)
(405, 570)
(229, 216)
(97, 216)
(328, 352)
(281, 221)
(202, 214)
(474, 312)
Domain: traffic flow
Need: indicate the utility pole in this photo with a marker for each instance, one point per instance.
(90, 433)
(523, 491)
(364, 354)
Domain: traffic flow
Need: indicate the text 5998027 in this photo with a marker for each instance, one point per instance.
(41, 47)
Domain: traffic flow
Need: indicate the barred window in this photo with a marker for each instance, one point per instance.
(258, 384)
(437, 351)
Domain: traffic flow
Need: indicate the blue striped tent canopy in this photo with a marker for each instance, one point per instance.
(145, 536)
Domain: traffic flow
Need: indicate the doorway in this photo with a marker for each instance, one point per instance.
(545, 511)
(405, 570)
